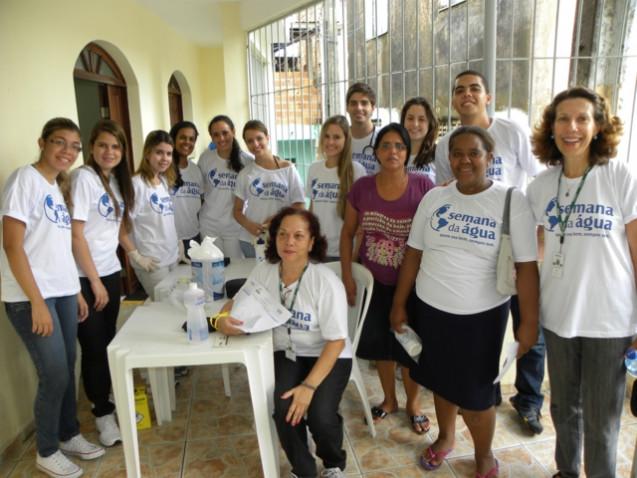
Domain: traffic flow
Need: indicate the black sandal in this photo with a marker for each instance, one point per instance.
(420, 424)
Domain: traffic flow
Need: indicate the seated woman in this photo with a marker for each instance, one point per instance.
(312, 352)
(461, 318)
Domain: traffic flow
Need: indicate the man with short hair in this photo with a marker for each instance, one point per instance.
(361, 101)
(512, 164)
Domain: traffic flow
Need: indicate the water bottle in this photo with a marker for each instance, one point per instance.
(410, 341)
(631, 361)
(196, 324)
(259, 249)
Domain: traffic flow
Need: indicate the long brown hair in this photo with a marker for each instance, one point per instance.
(121, 172)
(62, 179)
(345, 168)
(155, 138)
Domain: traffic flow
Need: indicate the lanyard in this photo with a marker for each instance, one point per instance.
(563, 222)
(296, 291)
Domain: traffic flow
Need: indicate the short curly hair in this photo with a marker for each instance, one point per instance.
(604, 145)
(319, 248)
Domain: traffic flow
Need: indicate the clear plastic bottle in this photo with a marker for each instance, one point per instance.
(196, 325)
(630, 359)
(259, 249)
(410, 341)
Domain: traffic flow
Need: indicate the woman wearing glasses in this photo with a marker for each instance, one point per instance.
(382, 206)
(41, 292)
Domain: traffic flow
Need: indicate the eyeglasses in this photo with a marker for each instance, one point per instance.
(62, 144)
(396, 146)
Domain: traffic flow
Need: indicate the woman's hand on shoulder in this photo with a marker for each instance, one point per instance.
(42, 323)
(229, 326)
(301, 397)
(397, 318)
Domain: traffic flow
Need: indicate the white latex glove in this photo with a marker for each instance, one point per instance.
(182, 253)
(149, 264)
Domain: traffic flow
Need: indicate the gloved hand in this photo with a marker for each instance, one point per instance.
(149, 264)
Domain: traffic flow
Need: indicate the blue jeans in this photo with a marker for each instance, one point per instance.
(55, 407)
(529, 369)
(588, 381)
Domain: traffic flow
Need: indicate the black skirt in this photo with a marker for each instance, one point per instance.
(461, 353)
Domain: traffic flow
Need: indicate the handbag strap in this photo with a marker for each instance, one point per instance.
(506, 215)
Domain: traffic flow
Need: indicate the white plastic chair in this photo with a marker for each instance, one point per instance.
(356, 318)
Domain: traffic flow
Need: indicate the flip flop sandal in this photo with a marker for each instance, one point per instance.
(429, 455)
(420, 423)
(378, 413)
(492, 473)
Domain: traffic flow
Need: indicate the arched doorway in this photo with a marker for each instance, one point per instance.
(175, 104)
(100, 93)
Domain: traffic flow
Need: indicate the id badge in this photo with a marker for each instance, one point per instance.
(558, 264)
(290, 352)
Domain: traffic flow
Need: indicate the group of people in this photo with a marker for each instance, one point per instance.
(432, 251)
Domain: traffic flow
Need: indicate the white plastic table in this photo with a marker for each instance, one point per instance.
(152, 337)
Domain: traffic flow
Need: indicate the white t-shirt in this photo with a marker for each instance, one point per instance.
(363, 152)
(93, 205)
(512, 161)
(31, 199)
(265, 191)
(220, 181)
(428, 169)
(187, 201)
(595, 297)
(154, 229)
(319, 312)
(459, 236)
(322, 189)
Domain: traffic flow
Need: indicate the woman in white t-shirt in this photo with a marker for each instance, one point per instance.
(220, 168)
(418, 119)
(41, 292)
(312, 352)
(586, 205)
(461, 318)
(270, 184)
(153, 247)
(188, 188)
(330, 179)
(102, 194)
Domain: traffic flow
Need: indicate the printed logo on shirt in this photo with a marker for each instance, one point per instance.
(223, 180)
(189, 189)
(368, 161)
(300, 320)
(463, 227)
(495, 170)
(385, 238)
(57, 213)
(161, 205)
(585, 219)
(324, 192)
(106, 209)
(272, 190)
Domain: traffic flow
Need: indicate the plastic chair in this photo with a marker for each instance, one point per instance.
(356, 318)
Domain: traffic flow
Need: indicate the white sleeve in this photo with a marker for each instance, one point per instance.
(17, 202)
(533, 193)
(522, 229)
(241, 185)
(527, 161)
(295, 185)
(81, 195)
(359, 171)
(626, 189)
(416, 238)
(138, 188)
(441, 161)
(331, 306)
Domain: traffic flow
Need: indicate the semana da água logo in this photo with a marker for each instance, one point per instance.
(221, 179)
(212, 177)
(324, 191)
(271, 190)
(463, 226)
(583, 216)
(57, 213)
(105, 207)
(161, 205)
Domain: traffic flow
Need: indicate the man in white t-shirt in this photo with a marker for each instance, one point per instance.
(513, 164)
(361, 101)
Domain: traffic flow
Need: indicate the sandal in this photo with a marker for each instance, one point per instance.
(428, 457)
(379, 413)
(492, 473)
(420, 423)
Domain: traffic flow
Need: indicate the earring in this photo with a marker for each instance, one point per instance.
(552, 137)
(595, 137)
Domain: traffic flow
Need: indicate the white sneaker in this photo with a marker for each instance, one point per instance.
(333, 473)
(57, 466)
(81, 448)
(109, 431)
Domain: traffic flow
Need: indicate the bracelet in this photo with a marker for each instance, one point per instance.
(307, 385)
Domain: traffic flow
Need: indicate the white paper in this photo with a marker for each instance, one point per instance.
(510, 354)
(257, 309)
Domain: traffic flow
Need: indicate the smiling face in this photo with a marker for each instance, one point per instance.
(469, 162)
(574, 128)
(470, 97)
(416, 123)
(333, 142)
(107, 152)
(360, 109)
(185, 142)
(160, 158)
(391, 152)
(293, 240)
(258, 142)
(59, 151)
(222, 135)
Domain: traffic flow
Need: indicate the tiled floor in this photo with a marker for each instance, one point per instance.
(213, 436)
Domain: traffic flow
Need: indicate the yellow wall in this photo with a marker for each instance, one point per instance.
(40, 43)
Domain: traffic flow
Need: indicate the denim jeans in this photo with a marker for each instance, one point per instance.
(55, 407)
(529, 369)
(588, 382)
(323, 419)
